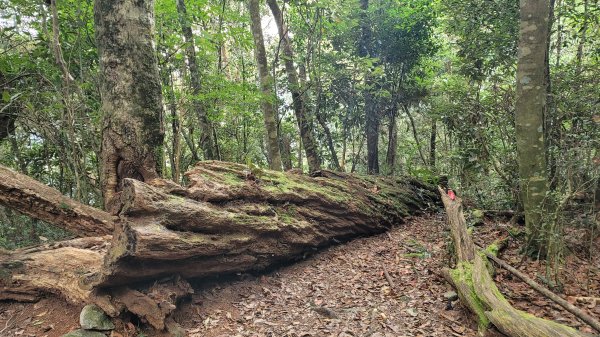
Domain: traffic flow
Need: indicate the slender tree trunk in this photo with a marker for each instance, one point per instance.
(559, 33)
(371, 114)
(298, 97)
(415, 134)
(393, 141)
(206, 137)
(131, 93)
(266, 86)
(530, 107)
(583, 37)
(286, 152)
(432, 141)
(175, 126)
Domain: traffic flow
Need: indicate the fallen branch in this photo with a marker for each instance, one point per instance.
(30, 197)
(594, 323)
(477, 290)
(389, 279)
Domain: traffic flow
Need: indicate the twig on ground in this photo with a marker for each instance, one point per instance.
(389, 279)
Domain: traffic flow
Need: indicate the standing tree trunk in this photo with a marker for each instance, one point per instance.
(206, 137)
(393, 141)
(306, 132)
(131, 94)
(432, 141)
(530, 106)
(371, 115)
(266, 86)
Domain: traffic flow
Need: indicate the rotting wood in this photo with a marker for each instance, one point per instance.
(477, 290)
(58, 268)
(230, 219)
(42, 202)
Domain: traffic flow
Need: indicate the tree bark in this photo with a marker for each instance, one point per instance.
(207, 142)
(432, 143)
(529, 115)
(298, 97)
(231, 219)
(393, 141)
(39, 201)
(371, 113)
(266, 86)
(131, 94)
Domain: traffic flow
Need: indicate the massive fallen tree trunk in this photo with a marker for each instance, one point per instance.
(479, 293)
(230, 218)
(42, 202)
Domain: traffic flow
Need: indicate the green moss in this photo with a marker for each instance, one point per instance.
(275, 182)
(463, 274)
(421, 255)
(493, 248)
(232, 179)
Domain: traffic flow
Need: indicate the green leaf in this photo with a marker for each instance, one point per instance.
(5, 96)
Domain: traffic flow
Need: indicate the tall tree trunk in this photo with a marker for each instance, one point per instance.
(175, 154)
(266, 86)
(415, 133)
(206, 137)
(550, 120)
(583, 37)
(371, 115)
(530, 106)
(432, 141)
(131, 93)
(306, 132)
(286, 152)
(393, 141)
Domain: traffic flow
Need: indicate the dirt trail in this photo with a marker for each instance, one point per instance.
(341, 292)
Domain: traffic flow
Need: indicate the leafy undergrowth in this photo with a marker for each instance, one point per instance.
(344, 292)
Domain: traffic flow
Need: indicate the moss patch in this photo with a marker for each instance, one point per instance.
(463, 274)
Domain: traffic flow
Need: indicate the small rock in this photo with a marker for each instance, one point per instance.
(174, 329)
(450, 296)
(412, 311)
(93, 318)
(84, 333)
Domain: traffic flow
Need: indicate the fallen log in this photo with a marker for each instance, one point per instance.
(42, 202)
(472, 280)
(591, 321)
(28, 274)
(230, 220)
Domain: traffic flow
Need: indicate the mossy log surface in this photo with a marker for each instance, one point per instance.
(477, 290)
(230, 219)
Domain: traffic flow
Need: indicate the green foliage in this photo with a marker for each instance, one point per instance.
(18, 230)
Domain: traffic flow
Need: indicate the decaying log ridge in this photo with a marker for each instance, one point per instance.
(229, 219)
(477, 290)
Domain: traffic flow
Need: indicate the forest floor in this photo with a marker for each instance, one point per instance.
(343, 291)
